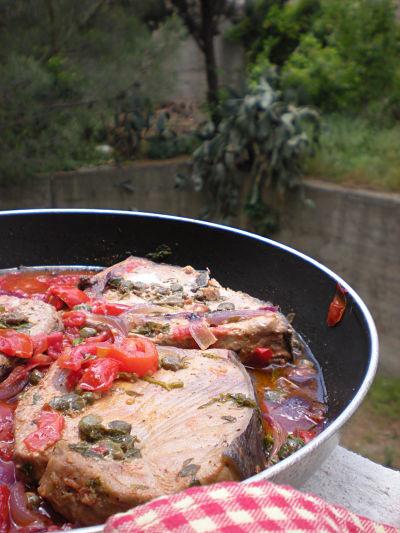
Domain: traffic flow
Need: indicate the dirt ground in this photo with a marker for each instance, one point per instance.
(374, 435)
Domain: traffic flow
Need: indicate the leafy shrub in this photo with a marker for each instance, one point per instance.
(66, 69)
(339, 55)
(259, 136)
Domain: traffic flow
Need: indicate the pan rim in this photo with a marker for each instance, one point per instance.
(360, 394)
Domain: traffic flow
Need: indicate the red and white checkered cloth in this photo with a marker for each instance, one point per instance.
(241, 507)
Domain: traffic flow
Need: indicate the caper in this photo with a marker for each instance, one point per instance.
(291, 445)
(87, 332)
(33, 500)
(91, 428)
(119, 427)
(89, 397)
(68, 402)
(35, 376)
(113, 449)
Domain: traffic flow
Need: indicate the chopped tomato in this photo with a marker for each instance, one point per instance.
(99, 375)
(71, 296)
(40, 359)
(74, 319)
(73, 359)
(73, 379)
(109, 308)
(15, 344)
(104, 336)
(337, 307)
(50, 426)
(4, 509)
(52, 344)
(55, 301)
(6, 431)
(133, 355)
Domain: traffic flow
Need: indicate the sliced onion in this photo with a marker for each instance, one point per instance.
(114, 322)
(144, 308)
(215, 318)
(278, 434)
(20, 513)
(201, 333)
(14, 383)
(7, 472)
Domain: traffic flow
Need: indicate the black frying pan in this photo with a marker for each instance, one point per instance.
(347, 353)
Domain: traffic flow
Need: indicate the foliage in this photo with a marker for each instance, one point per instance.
(142, 133)
(384, 397)
(333, 54)
(261, 136)
(357, 151)
(67, 67)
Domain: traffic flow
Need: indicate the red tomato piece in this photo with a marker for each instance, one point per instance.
(99, 375)
(15, 344)
(74, 319)
(4, 509)
(40, 359)
(337, 307)
(55, 343)
(73, 360)
(109, 308)
(50, 426)
(71, 296)
(55, 301)
(133, 355)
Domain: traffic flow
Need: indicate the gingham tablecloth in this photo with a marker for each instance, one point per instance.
(237, 508)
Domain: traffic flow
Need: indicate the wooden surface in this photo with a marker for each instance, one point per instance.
(364, 487)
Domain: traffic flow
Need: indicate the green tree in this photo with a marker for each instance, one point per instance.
(66, 67)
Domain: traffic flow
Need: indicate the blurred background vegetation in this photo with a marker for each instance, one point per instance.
(79, 74)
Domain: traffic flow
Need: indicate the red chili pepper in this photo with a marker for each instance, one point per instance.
(74, 319)
(50, 426)
(99, 375)
(109, 308)
(337, 306)
(4, 509)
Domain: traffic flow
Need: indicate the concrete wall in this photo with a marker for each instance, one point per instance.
(356, 233)
(189, 69)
